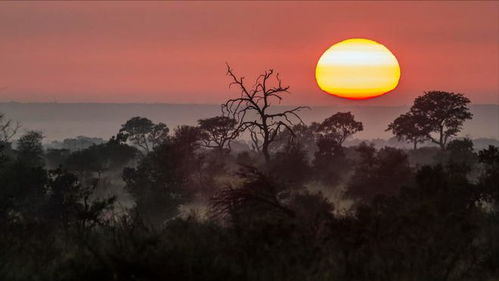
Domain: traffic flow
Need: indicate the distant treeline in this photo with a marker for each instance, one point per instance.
(295, 203)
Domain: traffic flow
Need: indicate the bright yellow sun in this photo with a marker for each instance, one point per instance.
(357, 69)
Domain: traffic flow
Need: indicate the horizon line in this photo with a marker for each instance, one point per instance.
(211, 104)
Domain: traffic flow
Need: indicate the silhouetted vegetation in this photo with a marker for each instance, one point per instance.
(181, 204)
(435, 112)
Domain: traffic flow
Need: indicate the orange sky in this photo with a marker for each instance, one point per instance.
(175, 52)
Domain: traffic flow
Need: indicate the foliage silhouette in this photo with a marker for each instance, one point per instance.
(340, 126)
(435, 112)
(143, 133)
(314, 208)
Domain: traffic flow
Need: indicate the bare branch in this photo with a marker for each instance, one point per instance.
(266, 126)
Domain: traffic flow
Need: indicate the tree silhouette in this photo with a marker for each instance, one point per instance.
(460, 151)
(440, 113)
(218, 132)
(411, 128)
(378, 172)
(489, 180)
(187, 137)
(329, 163)
(30, 149)
(340, 126)
(258, 100)
(158, 182)
(143, 133)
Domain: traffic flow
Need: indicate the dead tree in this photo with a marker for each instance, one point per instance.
(257, 100)
(8, 129)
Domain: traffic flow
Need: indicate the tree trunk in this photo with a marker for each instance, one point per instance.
(441, 142)
(415, 145)
(265, 151)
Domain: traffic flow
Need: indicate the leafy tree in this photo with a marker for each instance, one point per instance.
(460, 151)
(411, 128)
(30, 149)
(69, 202)
(290, 165)
(101, 157)
(160, 182)
(22, 188)
(302, 135)
(258, 100)
(218, 132)
(378, 172)
(187, 137)
(143, 133)
(427, 231)
(330, 163)
(435, 112)
(489, 180)
(340, 126)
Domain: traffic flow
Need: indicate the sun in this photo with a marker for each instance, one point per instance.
(357, 69)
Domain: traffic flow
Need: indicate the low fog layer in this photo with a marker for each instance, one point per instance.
(58, 120)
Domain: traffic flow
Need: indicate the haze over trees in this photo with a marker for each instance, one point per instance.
(296, 203)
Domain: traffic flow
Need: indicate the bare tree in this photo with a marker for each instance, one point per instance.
(8, 129)
(257, 100)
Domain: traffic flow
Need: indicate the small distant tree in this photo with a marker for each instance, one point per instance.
(218, 132)
(143, 133)
(410, 128)
(30, 149)
(435, 112)
(258, 100)
(340, 126)
(80, 142)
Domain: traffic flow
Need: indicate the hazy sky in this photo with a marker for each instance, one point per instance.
(175, 52)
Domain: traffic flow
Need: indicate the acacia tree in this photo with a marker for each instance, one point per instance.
(218, 132)
(143, 133)
(410, 128)
(435, 112)
(340, 126)
(257, 100)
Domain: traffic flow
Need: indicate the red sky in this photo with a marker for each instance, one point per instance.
(175, 52)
